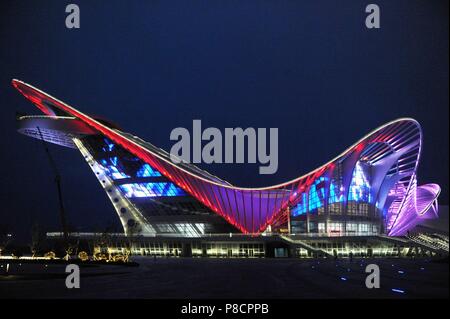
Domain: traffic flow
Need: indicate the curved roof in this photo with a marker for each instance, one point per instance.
(392, 150)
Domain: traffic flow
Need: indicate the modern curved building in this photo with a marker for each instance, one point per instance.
(369, 189)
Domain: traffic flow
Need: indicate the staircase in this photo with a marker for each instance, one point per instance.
(435, 242)
(304, 245)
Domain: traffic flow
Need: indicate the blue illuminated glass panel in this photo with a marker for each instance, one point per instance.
(124, 167)
(336, 193)
(317, 194)
(109, 146)
(302, 207)
(316, 198)
(113, 168)
(147, 171)
(151, 190)
(359, 187)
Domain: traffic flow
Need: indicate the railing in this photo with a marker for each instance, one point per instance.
(432, 242)
(230, 235)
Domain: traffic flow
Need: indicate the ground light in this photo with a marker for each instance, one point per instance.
(398, 290)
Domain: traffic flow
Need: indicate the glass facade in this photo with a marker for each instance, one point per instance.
(337, 192)
(120, 167)
(301, 207)
(314, 200)
(151, 190)
(228, 250)
(338, 247)
(360, 186)
(147, 171)
(392, 151)
(113, 168)
(124, 167)
(317, 195)
(134, 185)
(318, 208)
(359, 192)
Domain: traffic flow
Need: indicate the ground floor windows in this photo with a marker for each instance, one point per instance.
(351, 227)
(248, 247)
(363, 228)
(159, 249)
(322, 228)
(357, 249)
(228, 250)
(335, 228)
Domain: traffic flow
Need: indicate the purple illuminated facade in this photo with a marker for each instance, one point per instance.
(371, 188)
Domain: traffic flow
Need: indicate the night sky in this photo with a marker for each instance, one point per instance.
(310, 68)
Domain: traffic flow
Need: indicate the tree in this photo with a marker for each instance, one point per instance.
(5, 237)
(36, 239)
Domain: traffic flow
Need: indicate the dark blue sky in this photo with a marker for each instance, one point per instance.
(310, 68)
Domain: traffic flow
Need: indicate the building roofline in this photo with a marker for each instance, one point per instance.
(17, 83)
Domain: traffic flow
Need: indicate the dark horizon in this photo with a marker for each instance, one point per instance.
(311, 69)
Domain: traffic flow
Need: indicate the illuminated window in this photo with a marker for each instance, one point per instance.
(336, 196)
(151, 190)
(363, 228)
(191, 230)
(118, 165)
(336, 193)
(109, 146)
(313, 227)
(113, 168)
(335, 227)
(335, 199)
(358, 208)
(301, 206)
(166, 228)
(359, 187)
(317, 194)
(352, 208)
(351, 228)
(146, 171)
(322, 228)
